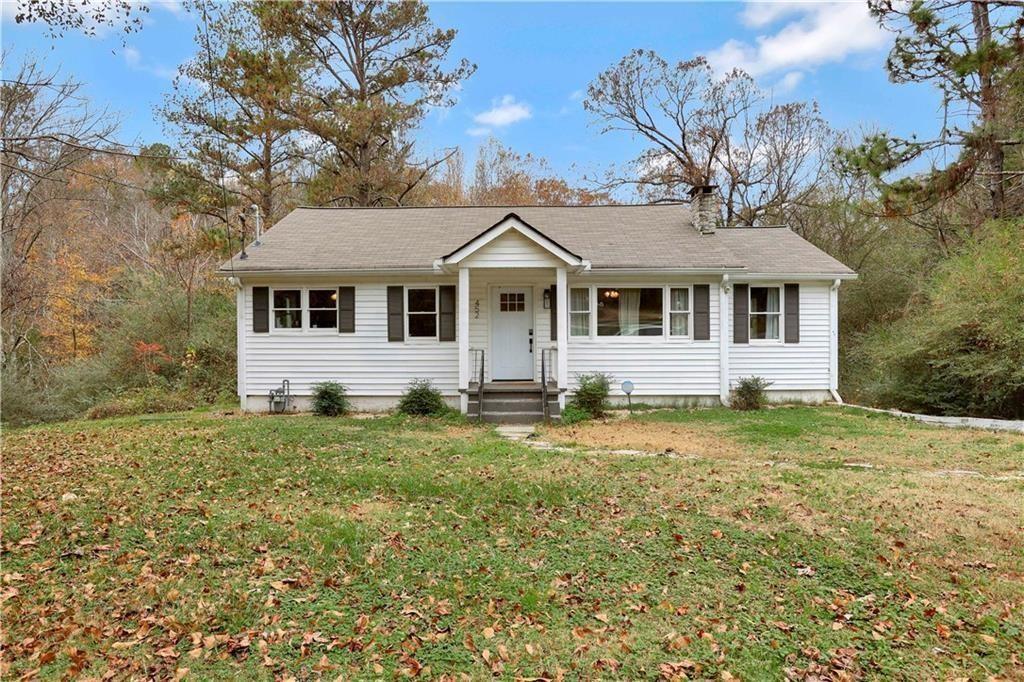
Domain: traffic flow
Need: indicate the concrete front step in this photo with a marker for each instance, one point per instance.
(513, 417)
(513, 403)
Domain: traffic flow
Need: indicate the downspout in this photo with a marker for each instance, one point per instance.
(725, 288)
(833, 311)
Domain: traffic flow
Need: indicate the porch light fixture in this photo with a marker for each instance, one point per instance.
(547, 299)
(611, 293)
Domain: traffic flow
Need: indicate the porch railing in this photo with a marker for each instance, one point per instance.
(547, 362)
(475, 355)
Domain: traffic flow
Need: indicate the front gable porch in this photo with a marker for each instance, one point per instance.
(512, 307)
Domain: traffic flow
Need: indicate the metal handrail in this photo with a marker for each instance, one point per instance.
(545, 354)
(474, 352)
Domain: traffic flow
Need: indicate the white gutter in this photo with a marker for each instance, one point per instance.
(325, 272)
(724, 289)
(833, 346)
(793, 277)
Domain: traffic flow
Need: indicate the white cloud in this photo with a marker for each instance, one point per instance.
(133, 59)
(503, 112)
(479, 131)
(815, 34)
(173, 6)
(759, 14)
(577, 95)
(789, 82)
(8, 11)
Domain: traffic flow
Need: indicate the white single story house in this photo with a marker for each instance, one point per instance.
(507, 306)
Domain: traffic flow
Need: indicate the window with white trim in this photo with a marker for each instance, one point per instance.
(679, 311)
(579, 311)
(765, 313)
(630, 311)
(323, 308)
(421, 313)
(287, 309)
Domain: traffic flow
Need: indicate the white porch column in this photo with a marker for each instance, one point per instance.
(562, 320)
(724, 330)
(463, 317)
(833, 341)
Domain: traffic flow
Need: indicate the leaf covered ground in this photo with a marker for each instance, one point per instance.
(299, 547)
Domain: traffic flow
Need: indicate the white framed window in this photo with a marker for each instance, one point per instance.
(579, 311)
(323, 308)
(679, 311)
(630, 311)
(765, 311)
(421, 312)
(287, 308)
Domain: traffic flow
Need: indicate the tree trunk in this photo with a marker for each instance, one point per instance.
(992, 157)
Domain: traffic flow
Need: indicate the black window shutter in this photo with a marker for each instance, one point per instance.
(261, 310)
(792, 313)
(701, 312)
(346, 310)
(446, 308)
(396, 313)
(554, 313)
(740, 313)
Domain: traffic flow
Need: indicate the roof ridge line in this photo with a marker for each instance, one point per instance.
(480, 206)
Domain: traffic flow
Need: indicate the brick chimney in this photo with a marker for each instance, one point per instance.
(705, 208)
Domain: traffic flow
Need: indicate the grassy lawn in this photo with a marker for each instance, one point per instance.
(261, 547)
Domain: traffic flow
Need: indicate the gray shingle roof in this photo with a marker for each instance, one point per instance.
(650, 236)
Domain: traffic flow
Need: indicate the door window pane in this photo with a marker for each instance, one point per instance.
(512, 302)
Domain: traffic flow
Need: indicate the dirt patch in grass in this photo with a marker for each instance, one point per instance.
(637, 435)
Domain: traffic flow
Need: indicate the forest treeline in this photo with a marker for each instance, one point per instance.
(110, 306)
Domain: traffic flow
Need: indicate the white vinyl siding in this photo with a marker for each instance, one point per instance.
(369, 365)
(365, 361)
(657, 365)
(512, 250)
(797, 366)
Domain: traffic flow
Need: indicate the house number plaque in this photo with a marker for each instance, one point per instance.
(476, 309)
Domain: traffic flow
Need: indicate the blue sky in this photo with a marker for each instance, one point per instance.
(534, 63)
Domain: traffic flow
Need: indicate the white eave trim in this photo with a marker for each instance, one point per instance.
(512, 223)
(794, 277)
(325, 272)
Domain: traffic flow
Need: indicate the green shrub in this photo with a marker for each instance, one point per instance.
(149, 400)
(330, 399)
(592, 393)
(960, 347)
(749, 394)
(574, 415)
(421, 398)
(197, 358)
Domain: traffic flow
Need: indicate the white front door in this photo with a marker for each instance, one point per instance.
(512, 333)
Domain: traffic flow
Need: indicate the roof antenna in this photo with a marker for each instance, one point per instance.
(243, 255)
